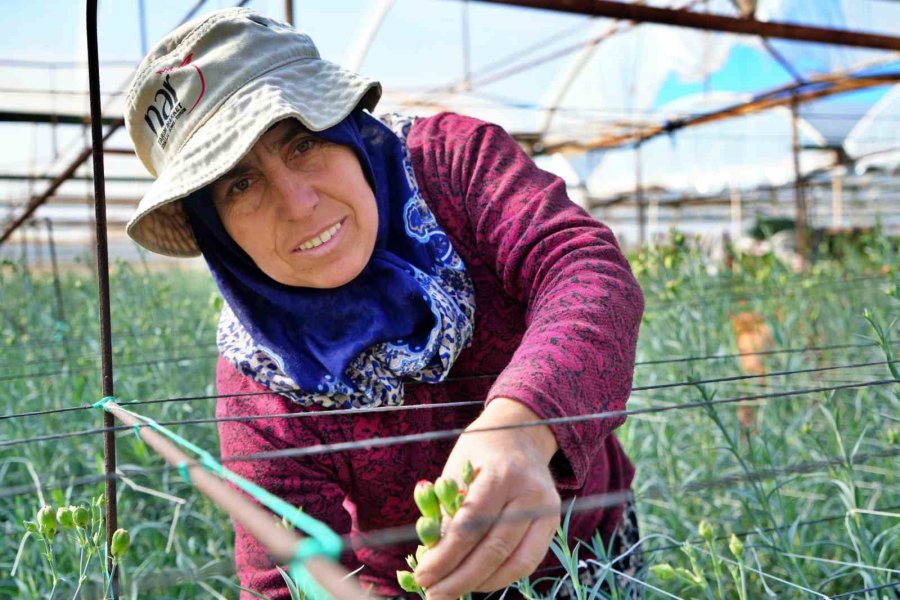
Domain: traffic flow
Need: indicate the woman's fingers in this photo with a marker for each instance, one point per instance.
(483, 548)
(466, 529)
(525, 558)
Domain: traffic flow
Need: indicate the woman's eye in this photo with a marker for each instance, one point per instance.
(304, 145)
(240, 186)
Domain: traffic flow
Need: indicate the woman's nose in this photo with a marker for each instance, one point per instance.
(296, 198)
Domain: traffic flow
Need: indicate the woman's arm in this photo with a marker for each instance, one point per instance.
(583, 309)
(307, 483)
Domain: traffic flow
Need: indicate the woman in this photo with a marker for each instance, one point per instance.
(368, 264)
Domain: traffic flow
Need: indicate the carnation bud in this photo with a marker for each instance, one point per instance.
(428, 530)
(407, 581)
(120, 542)
(46, 520)
(82, 517)
(663, 572)
(706, 530)
(736, 546)
(65, 517)
(427, 500)
(447, 491)
(420, 553)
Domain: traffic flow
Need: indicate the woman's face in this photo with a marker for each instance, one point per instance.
(300, 207)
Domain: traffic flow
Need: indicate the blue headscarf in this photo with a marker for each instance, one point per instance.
(407, 314)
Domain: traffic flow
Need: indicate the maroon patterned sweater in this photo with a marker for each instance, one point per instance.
(557, 316)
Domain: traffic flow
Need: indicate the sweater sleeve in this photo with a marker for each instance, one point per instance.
(583, 305)
(309, 484)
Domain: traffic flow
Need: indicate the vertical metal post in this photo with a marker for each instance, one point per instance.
(639, 195)
(109, 440)
(800, 216)
(57, 285)
(289, 12)
(466, 44)
(737, 214)
(653, 218)
(837, 200)
(38, 246)
(142, 23)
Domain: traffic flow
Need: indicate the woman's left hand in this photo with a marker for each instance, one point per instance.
(503, 529)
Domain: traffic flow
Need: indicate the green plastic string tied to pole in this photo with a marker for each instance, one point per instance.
(101, 403)
(320, 541)
(62, 328)
(183, 469)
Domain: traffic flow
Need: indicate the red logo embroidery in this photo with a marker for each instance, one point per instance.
(167, 112)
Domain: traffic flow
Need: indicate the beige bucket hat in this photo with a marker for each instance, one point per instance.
(207, 92)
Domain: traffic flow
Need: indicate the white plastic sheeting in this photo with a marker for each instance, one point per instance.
(568, 77)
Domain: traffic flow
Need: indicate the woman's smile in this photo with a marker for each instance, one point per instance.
(323, 242)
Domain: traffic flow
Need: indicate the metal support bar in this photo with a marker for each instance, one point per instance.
(800, 216)
(106, 365)
(57, 285)
(710, 22)
(7, 116)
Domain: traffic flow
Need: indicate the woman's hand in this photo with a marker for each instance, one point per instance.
(511, 511)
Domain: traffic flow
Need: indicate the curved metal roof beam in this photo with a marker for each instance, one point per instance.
(364, 42)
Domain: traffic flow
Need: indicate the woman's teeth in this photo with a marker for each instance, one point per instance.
(321, 238)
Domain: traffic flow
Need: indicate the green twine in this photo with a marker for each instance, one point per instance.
(101, 403)
(183, 469)
(137, 432)
(320, 541)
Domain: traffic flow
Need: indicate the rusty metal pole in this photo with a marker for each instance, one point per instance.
(639, 196)
(54, 265)
(109, 440)
(800, 213)
(289, 12)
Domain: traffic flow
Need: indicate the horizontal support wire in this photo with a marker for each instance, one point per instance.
(407, 533)
(724, 290)
(798, 350)
(322, 449)
(405, 407)
(855, 593)
(749, 532)
(177, 359)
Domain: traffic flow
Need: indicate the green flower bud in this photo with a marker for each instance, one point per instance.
(408, 582)
(82, 517)
(736, 546)
(428, 530)
(46, 520)
(31, 527)
(120, 542)
(65, 517)
(411, 561)
(420, 553)
(706, 531)
(663, 572)
(447, 491)
(468, 473)
(427, 500)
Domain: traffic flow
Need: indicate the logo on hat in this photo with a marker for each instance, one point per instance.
(166, 108)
